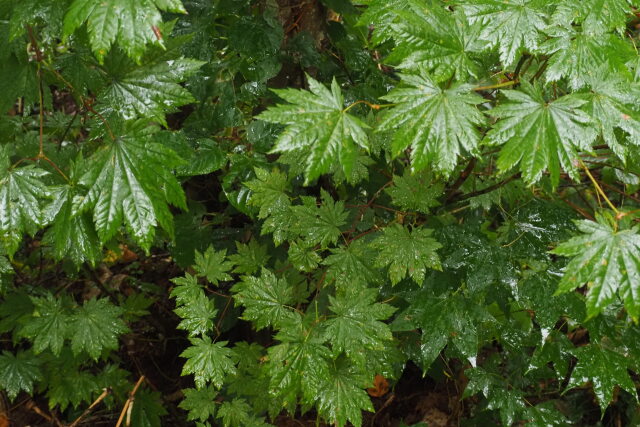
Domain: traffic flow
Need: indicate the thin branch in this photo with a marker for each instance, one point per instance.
(95, 403)
(129, 402)
(489, 189)
(461, 179)
(599, 189)
(497, 86)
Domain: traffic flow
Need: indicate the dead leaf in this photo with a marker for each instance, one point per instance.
(380, 386)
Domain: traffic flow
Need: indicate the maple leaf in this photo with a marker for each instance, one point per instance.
(381, 14)
(341, 397)
(444, 319)
(415, 192)
(597, 16)
(612, 100)
(299, 359)
(604, 368)
(18, 372)
(21, 191)
(213, 266)
(539, 134)
(238, 413)
(130, 179)
(208, 361)
(187, 289)
(357, 322)
(303, 256)
(96, 327)
(130, 23)
(352, 265)
(513, 26)
(48, 325)
(199, 403)
(250, 257)
(607, 259)
(149, 90)
(407, 252)
(435, 122)
(575, 55)
(197, 315)
(320, 224)
(436, 40)
(500, 396)
(148, 410)
(268, 192)
(71, 234)
(266, 299)
(319, 125)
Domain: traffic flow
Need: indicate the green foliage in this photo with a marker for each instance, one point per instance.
(353, 191)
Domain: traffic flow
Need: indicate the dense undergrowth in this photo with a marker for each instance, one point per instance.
(239, 213)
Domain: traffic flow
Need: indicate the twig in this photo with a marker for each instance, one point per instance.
(129, 402)
(489, 189)
(104, 394)
(497, 86)
(461, 179)
(50, 418)
(599, 189)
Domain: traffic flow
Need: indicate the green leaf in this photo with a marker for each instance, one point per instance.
(500, 396)
(71, 234)
(49, 324)
(96, 327)
(238, 413)
(444, 319)
(437, 40)
(187, 289)
(341, 397)
(575, 55)
(130, 180)
(18, 372)
(268, 192)
(352, 265)
(148, 409)
(606, 259)
(437, 123)
(150, 90)
(296, 363)
(605, 369)
(70, 386)
(130, 23)
(212, 265)
(612, 105)
(200, 403)
(250, 257)
(266, 299)
(598, 16)
(197, 315)
(21, 193)
(208, 361)
(407, 252)
(415, 192)
(357, 323)
(303, 256)
(513, 26)
(539, 134)
(319, 125)
(320, 224)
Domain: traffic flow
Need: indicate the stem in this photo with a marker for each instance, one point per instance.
(372, 106)
(461, 179)
(489, 189)
(104, 394)
(598, 188)
(129, 401)
(497, 86)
